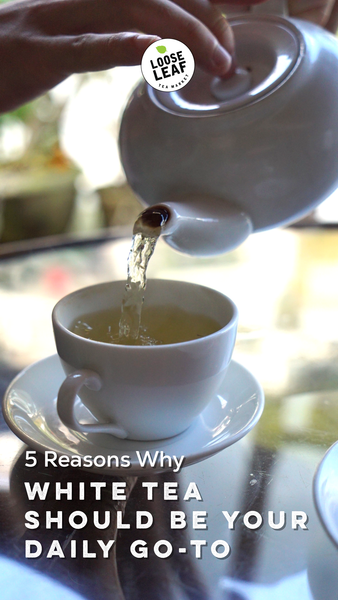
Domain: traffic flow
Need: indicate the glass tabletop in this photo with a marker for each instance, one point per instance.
(285, 286)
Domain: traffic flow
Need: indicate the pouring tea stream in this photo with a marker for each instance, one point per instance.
(250, 153)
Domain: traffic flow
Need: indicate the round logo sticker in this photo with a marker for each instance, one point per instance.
(167, 65)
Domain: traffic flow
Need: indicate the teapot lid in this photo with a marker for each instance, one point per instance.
(269, 50)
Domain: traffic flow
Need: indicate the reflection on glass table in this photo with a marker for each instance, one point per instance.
(284, 284)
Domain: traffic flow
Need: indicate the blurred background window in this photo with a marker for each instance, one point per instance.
(60, 170)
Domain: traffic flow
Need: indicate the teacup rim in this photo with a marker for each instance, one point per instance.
(231, 323)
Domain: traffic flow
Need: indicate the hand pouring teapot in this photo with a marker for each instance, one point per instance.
(245, 154)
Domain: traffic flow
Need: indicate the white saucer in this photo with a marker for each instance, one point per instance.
(29, 407)
(325, 491)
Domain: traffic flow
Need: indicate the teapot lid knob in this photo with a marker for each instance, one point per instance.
(237, 84)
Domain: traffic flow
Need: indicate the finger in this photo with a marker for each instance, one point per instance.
(166, 19)
(74, 17)
(213, 18)
(156, 17)
(317, 11)
(235, 3)
(332, 22)
(322, 12)
(98, 52)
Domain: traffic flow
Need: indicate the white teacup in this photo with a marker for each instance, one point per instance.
(142, 392)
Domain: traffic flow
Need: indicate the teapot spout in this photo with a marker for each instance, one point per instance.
(205, 226)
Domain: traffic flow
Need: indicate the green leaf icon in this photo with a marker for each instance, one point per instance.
(161, 49)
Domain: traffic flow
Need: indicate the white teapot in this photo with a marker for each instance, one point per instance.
(255, 151)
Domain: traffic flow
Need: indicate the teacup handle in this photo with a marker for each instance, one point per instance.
(66, 402)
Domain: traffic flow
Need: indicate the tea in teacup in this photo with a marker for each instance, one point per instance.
(167, 324)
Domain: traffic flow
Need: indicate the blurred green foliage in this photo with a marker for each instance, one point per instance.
(22, 113)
